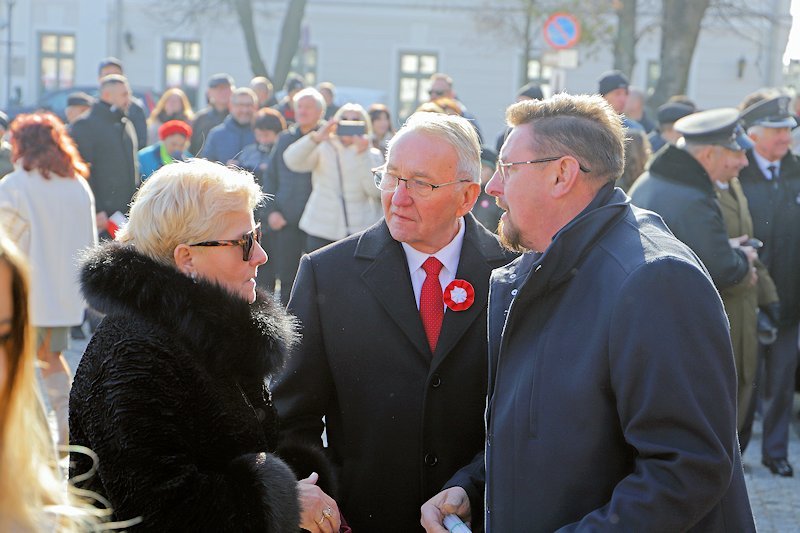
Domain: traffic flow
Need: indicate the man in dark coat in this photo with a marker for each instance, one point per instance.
(136, 113)
(679, 187)
(290, 191)
(608, 409)
(771, 183)
(220, 87)
(227, 140)
(668, 115)
(402, 391)
(106, 139)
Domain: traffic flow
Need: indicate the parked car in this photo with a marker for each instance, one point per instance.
(56, 101)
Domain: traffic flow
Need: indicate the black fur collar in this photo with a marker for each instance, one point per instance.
(226, 333)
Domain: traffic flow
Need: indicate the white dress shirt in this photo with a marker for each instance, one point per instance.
(764, 165)
(448, 256)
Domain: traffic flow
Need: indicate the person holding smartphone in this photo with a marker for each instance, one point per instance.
(340, 157)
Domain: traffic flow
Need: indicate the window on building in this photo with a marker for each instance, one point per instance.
(304, 63)
(414, 81)
(56, 61)
(540, 74)
(182, 67)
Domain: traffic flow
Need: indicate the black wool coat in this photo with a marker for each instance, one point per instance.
(171, 396)
(678, 188)
(106, 139)
(400, 420)
(775, 208)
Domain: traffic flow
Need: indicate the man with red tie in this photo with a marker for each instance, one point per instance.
(394, 346)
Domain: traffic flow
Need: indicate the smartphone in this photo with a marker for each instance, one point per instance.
(754, 243)
(351, 127)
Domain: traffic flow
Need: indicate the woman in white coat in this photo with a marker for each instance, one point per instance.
(47, 209)
(339, 155)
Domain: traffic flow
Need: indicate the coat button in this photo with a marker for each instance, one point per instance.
(514, 292)
(436, 381)
(431, 459)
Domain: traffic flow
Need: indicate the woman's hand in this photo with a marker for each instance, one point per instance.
(318, 511)
(324, 132)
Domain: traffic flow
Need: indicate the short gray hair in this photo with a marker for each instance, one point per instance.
(313, 93)
(457, 131)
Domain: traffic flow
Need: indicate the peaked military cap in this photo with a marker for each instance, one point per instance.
(672, 112)
(772, 113)
(720, 127)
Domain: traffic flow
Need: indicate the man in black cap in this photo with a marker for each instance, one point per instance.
(220, 88)
(135, 109)
(294, 84)
(5, 148)
(668, 115)
(771, 184)
(613, 86)
(78, 104)
(679, 187)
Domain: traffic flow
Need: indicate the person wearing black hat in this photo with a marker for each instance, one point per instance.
(529, 91)
(78, 104)
(679, 187)
(668, 115)
(220, 88)
(5, 147)
(613, 86)
(771, 183)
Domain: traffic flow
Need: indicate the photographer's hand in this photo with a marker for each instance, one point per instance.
(324, 132)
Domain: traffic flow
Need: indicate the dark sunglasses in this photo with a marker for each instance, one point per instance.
(247, 242)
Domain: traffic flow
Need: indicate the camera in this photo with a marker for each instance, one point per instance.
(351, 128)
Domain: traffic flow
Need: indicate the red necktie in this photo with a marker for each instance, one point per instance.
(431, 304)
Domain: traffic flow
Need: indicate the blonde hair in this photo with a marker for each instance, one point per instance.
(456, 130)
(33, 491)
(183, 203)
(355, 108)
(162, 103)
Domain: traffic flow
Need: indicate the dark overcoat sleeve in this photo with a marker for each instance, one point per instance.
(672, 374)
(699, 224)
(304, 390)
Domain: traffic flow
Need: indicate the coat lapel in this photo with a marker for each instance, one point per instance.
(474, 268)
(388, 278)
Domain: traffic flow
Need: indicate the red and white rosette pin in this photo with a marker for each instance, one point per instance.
(459, 295)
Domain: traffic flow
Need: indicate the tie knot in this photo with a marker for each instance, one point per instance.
(432, 266)
(773, 170)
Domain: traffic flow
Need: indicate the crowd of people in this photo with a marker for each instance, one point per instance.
(305, 317)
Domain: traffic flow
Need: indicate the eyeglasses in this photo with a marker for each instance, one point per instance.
(416, 187)
(247, 242)
(502, 167)
(437, 92)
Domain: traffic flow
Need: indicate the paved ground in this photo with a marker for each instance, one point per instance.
(775, 500)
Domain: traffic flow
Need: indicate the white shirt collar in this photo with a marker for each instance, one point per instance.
(449, 255)
(764, 164)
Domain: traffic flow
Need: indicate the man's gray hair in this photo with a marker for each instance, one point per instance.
(313, 93)
(457, 131)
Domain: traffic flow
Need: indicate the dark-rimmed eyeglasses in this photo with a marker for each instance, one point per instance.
(437, 93)
(247, 242)
(416, 187)
(502, 167)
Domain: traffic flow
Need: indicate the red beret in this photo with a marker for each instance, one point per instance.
(172, 127)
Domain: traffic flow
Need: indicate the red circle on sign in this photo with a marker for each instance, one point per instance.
(566, 30)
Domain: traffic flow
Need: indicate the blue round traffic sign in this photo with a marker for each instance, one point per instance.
(562, 30)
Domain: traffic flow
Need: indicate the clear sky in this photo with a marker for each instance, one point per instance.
(793, 46)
